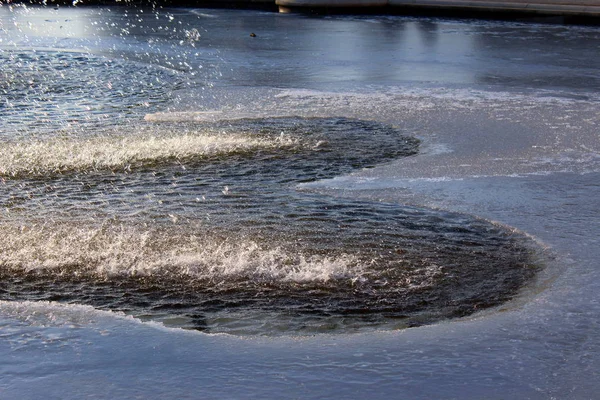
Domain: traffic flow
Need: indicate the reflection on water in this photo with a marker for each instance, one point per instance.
(300, 51)
(539, 59)
(47, 22)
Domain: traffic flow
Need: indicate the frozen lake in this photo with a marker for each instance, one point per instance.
(506, 115)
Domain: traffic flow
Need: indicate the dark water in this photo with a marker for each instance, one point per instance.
(231, 246)
(200, 225)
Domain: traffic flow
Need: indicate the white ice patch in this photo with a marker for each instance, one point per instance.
(47, 313)
(456, 95)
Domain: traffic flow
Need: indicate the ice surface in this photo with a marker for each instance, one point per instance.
(520, 147)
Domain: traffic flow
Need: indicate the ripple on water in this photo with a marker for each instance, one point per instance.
(48, 91)
(199, 226)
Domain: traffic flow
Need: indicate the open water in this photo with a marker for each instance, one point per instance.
(331, 207)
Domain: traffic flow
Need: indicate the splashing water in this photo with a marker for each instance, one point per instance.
(49, 91)
(198, 225)
(35, 157)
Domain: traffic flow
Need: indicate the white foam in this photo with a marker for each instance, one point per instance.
(120, 250)
(117, 152)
